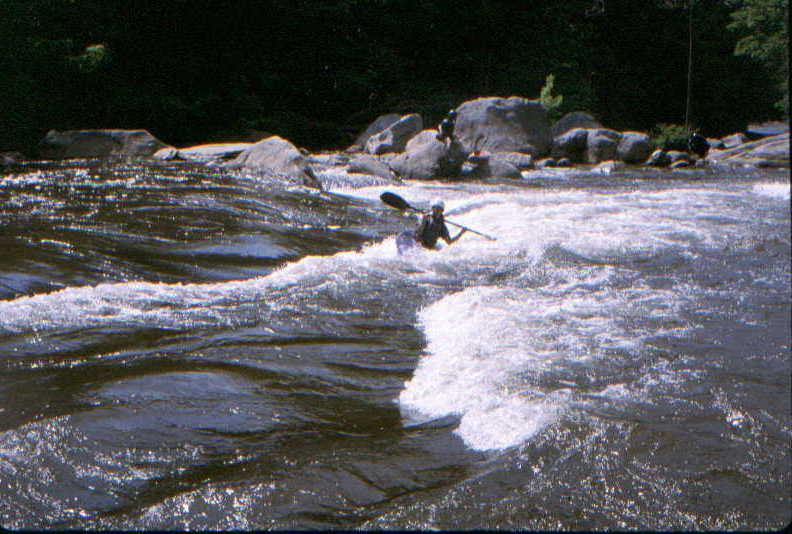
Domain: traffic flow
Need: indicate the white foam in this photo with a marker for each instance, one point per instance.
(778, 190)
(489, 349)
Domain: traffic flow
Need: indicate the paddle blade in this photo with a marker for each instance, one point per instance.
(395, 201)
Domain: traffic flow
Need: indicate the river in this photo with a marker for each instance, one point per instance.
(187, 348)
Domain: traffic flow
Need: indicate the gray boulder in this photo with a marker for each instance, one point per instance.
(608, 167)
(715, 143)
(426, 158)
(658, 158)
(571, 145)
(601, 145)
(766, 152)
(203, 153)
(521, 161)
(495, 124)
(394, 138)
(766, 129)
(379, 124)
(493, 165)
(275, 155)
(634, 147)
(675, 156)
(98, 144)
(734, 140)
(576, 119)
(8, 159)
(365, 164)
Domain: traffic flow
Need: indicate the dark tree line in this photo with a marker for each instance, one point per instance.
(318, 71)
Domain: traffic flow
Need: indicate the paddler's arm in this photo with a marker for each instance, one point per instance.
(448, 239)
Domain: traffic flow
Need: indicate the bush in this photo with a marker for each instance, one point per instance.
(670, 137)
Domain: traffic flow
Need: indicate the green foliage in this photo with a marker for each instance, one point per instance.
(92, 58)
(546, 97)
(764, 26)
(669, 136)
(318, 72)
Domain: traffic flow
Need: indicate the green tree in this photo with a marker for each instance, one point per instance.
(764, 26)
(546, 97)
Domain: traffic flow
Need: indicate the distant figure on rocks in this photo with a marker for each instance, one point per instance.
(698, 145)
(446, 128)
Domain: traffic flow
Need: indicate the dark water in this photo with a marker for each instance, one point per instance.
(187, 348)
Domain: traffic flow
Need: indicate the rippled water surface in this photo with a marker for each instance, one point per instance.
(182, 347)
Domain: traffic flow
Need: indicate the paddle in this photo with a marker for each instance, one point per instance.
(395, 201)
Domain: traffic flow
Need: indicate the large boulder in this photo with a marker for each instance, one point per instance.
(575, 119)
(658, 158)
(394, 138)
(379, 124)
(571, 145)
(601, 145)
(275, 155)
(634, 147)
(756, 131)
(767, 152)
(495, 124)
(203, 153)
(494, 165)
(734, 140)
(426, 158)
(98, 144)
(366, 164)
(9, 159)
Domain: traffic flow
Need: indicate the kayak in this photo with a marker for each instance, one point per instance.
(406, 241)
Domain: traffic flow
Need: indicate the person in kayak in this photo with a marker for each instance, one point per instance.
(432, 228)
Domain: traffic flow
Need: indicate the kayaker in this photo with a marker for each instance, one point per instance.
(432, 228)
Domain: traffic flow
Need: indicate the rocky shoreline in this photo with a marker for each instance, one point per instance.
(492, 137)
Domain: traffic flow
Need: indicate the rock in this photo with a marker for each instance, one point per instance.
(679, 164)
(576, 119)
(327, 160)
(426, 158)
(493, 165)
(7, 159)
(609, 167)
(766, 129)
(276, 155)
(697, 145)
(634, 147)
(571, 145)
(203, 153)
(365, 164)
(601, 145)
(658, 158)
(394, 138)
(98, 144)
(675, 156)
(168, 153)
(379, 124)
(546, 162)
(766, 152)
(214, 151)
(734, 140)
(495, 124)
(715, 143)
(517, 159)
(564, 162)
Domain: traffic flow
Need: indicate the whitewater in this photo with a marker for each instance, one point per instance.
(622, 336)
